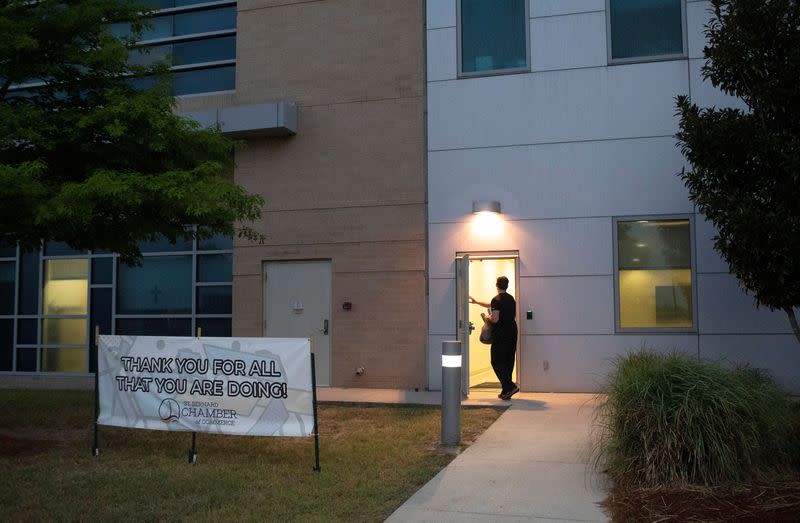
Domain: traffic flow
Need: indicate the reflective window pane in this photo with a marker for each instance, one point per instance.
(219, 242)
(205, 21)
(186, 53)
(6, 345)
(493, 35)
(214, 300)
(63, 360)
(26, 360)
(60, 249)
(66, 284)
(161, 285)
(204, 80)
(215, 267)
(64, 331)
(26, 331)
(7, 270)
(29, 283)
(154, 326)
(642, 28)
(102, 269)
(215, 326)
(655, 276)
(195, 22)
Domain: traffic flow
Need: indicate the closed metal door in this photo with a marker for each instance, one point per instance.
(297, 304)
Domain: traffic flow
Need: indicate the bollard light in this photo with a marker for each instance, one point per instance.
(451, 392)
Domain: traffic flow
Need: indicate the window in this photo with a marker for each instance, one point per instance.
(493, 37)
(646, 29)
(161, 285)
(65, 309)
(198, 38)
(654, 274)
(52, 298)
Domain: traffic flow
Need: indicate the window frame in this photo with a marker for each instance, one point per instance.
(653, 58)
(618, 329)
(495, 72)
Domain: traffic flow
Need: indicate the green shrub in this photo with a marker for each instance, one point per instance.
(670, 419)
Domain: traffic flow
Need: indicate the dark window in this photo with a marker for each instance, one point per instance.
(214, 267)
(29, 283)
(154, 326)
(162, 244)
(7, 250)
(60, 249)
(220, 242)
(167, 26)
(102, 269)
(204, 80)
(26, 331)
(493, 35)
(6, 345)
(186, 53)
(161, 285)
(215, 326)
(26, 360)
(214, 300)
(7, 270)
(643, 28)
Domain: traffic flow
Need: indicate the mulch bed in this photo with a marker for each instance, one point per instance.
(777, 502)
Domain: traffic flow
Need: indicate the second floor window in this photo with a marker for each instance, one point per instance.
(493, 36)
(642, 29)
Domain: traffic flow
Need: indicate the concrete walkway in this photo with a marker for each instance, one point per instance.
(530, 465)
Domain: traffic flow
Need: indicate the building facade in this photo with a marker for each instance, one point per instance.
(344, 220)
(385, 136)
(332, 117)
(563, 112)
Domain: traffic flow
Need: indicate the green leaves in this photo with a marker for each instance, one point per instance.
(745, 174)
(87, 159)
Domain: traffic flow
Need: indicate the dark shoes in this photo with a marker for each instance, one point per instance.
(507, 395)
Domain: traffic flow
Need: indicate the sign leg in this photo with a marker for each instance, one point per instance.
(193, 452)
(314, 402)
(96, 446)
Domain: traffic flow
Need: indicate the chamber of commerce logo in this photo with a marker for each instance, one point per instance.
(169, 410)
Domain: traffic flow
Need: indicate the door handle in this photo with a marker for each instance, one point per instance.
(471, 327)
(324, 329)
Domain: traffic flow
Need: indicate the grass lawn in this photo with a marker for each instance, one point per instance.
(372, 457)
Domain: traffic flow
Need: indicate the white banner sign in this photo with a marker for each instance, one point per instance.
(249, 386)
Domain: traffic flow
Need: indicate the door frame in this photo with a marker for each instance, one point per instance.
(329, 261)
(488, 255)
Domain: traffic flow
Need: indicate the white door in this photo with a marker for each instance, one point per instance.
(463, 326)
(297, 304)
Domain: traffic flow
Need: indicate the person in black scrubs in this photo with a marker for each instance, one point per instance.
(503, 314)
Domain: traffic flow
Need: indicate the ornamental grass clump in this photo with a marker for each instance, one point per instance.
(673, 420)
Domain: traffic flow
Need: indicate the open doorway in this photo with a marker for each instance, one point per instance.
(476, 277)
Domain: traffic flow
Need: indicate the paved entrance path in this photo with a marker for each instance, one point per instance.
(530, 465)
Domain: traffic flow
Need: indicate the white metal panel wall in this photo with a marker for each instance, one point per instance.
(583, 179)
(554, 46)
(601, 103)
(565, 148)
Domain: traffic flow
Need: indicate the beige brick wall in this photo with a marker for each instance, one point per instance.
(350, 186)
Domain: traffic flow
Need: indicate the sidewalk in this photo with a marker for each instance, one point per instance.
(530, 465)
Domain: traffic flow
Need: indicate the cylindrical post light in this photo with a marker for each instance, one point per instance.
(451, 392)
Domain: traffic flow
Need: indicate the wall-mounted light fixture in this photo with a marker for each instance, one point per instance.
(486, 221)
(483, 206)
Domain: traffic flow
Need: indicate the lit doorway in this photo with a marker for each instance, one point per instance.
(476, 276)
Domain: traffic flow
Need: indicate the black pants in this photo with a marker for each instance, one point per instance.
(503, 352)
